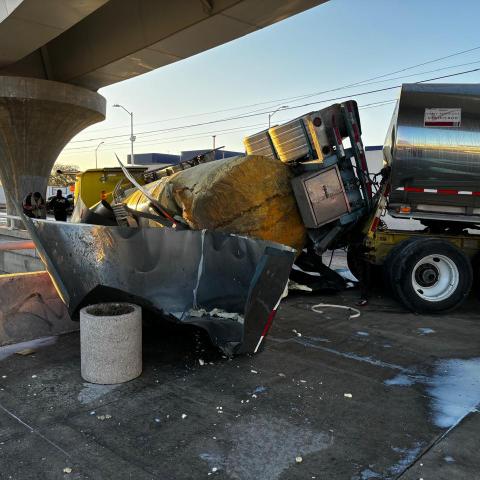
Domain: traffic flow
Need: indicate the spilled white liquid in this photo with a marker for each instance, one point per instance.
(401, 380)
(92, 391)
(425, 330)
(454, 389)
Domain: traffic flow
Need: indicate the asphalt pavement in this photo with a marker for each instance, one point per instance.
(387, 394)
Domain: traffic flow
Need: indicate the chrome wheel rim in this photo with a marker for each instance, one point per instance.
(435, 278)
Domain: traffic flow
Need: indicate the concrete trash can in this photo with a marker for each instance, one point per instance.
(111, 342)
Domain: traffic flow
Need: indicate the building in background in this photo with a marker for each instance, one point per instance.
(52, 191)
(219, 154)
(159, 159)
(154, 159)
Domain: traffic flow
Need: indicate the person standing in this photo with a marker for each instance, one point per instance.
(27, 205)
(34, 205)
(60, 206)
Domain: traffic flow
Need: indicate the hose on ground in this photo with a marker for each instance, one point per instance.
(355, 314)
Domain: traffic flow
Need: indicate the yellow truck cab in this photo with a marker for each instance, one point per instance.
(93, 186)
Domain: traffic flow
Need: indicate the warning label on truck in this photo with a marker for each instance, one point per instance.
(443, 117)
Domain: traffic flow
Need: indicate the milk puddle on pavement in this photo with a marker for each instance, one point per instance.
(454, 389)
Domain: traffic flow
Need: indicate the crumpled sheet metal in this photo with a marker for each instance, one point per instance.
(170, 272)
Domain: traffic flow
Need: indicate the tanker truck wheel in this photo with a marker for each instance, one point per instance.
(431, 276)
(390, 265)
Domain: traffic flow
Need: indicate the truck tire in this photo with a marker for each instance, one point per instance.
(431, 276)
(390, 265)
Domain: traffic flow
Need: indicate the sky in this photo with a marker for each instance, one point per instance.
(331, 46)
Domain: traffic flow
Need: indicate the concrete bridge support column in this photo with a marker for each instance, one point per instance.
(37, 119)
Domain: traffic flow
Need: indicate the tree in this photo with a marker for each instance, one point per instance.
(63, 175)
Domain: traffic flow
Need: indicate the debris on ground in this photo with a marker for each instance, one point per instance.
(362, 334)
(104, 417)
(67, 470)
(425, 331)
(347, 395)
(26, 351)
(297, 286)
(216, 312)
(31, 346)
(260, 389)
(298, 459)
(354, 312)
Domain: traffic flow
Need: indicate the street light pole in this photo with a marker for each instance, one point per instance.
(270, 115)
(132, 139)
(132, 136)
(96, 158)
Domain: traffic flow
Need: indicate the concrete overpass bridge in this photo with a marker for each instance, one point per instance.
(55, 55)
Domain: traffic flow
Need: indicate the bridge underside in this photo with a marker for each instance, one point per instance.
(120, 39)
